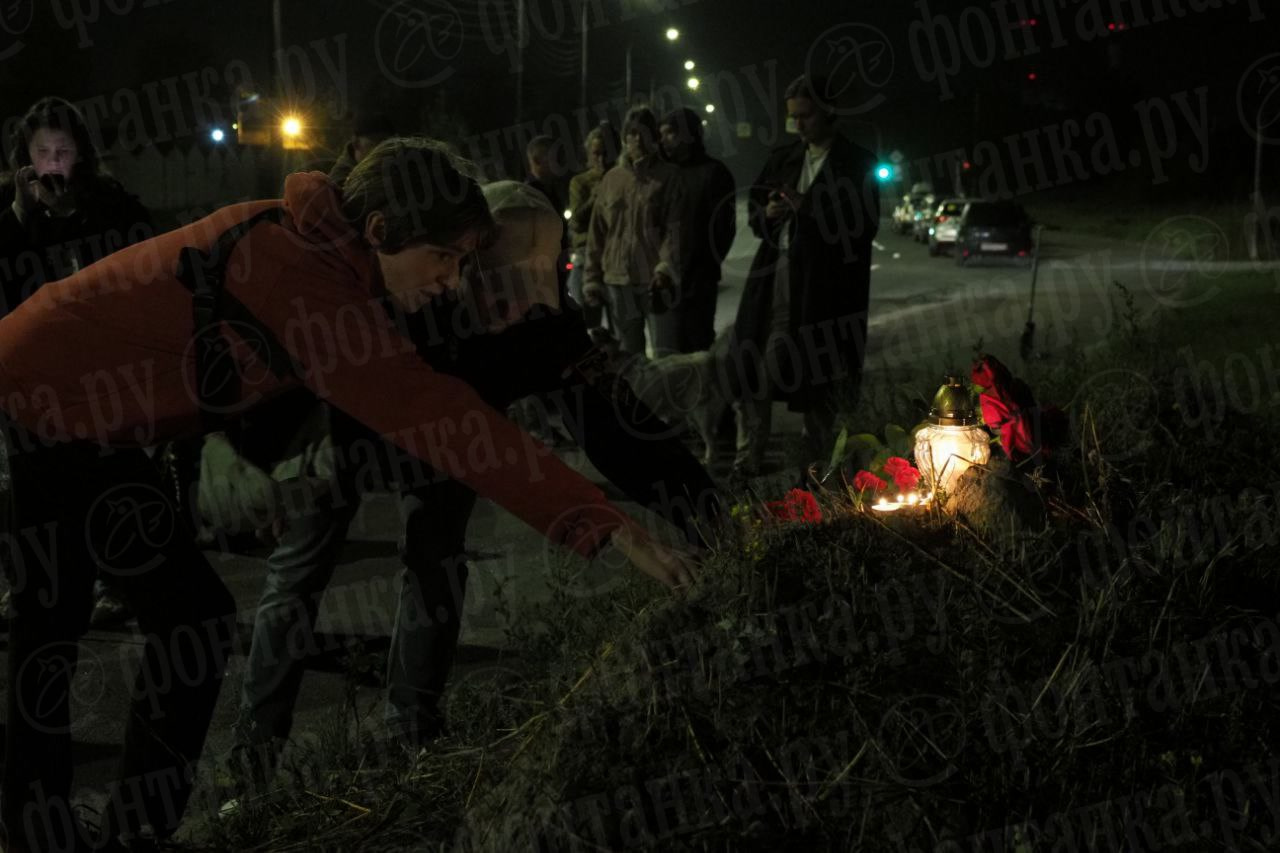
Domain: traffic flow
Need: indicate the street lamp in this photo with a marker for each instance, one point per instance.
(693, 83)
(290, 126)
(689, 65)
(711, 108)
(672, 35)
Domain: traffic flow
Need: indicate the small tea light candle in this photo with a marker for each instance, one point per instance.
(883, 505)
(913, 499)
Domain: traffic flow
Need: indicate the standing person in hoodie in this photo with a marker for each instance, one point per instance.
(707, 220)
(633, 243)
(306, 289)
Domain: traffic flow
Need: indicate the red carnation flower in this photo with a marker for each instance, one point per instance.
(905, 475)
(866, 481)
(799, 505)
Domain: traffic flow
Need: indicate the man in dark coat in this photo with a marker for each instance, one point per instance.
(800, 333)
(708, 221)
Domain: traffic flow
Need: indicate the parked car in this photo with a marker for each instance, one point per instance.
(945, 224)
(993, 228)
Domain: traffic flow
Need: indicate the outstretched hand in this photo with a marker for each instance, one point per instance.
(668, 566)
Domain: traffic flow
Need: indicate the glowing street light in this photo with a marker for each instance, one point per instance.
(672, 34)
(217, 134)
(711, 108)
(693, 83)
(689, 65)
(291, 126)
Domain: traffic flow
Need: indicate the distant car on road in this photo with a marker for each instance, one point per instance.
(993, 229)
(945, 225)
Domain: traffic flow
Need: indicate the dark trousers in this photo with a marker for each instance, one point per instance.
(77, 510)
(435, 512)
(689, 322)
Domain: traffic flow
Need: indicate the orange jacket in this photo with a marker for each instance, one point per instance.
(107, 356)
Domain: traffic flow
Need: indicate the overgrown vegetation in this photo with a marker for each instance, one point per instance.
(1106, 682)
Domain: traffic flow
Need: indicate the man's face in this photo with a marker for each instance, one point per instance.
(53, 152)
(595, 155)
(811, 123)
(675, 143)
(416, 274)
(639, 144)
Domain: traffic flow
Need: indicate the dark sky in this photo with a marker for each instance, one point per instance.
(448, 67)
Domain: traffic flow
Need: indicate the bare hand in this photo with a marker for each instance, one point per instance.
(669, 567)
(778, 208)
(33, 194)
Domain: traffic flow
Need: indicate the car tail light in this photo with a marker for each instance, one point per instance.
(1022, 253)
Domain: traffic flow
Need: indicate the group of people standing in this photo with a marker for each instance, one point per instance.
(650, 236)
(398, 243)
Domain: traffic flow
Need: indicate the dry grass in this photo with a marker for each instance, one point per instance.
(867, 685)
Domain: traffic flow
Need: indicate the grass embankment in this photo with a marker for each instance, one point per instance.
(1104, 681)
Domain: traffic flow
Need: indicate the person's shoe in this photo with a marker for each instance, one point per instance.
(110, 609)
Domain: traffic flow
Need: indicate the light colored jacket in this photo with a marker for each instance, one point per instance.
(634, 229)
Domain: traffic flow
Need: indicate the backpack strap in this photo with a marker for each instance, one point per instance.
(204, 274)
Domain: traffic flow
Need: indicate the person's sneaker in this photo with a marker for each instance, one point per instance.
(110, 609)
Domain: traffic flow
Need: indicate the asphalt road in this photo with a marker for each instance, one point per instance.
(923, 311)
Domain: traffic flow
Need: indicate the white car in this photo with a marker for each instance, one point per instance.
(946, 224)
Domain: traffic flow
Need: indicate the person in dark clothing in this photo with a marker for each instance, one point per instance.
(544, 176)
(802, 323)
(526, 344)
(64, 213)
(708, 221)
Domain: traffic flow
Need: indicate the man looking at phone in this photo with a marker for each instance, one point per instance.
(801, 327)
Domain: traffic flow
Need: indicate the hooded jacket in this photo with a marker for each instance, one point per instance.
(106, 355)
